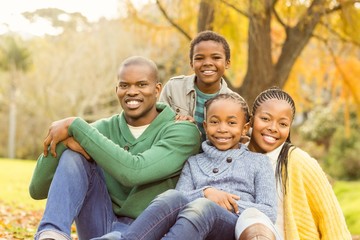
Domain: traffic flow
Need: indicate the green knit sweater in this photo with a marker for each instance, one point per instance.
(150, 165)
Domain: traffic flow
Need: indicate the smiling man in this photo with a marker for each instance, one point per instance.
(103, 175)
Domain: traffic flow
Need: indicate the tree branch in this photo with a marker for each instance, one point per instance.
(341, 6)
(161, 8)
(343, 39)
(277, 16)
(235, 8)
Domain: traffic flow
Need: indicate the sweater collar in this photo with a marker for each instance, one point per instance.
(166, 114)
(216, 158)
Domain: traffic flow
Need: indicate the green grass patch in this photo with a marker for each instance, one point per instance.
(15, 176)
(348, 194)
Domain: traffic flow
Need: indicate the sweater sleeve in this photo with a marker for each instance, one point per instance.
(164, 159)
(186, 183)
(44, 173)
(265, 191)
(322, 200)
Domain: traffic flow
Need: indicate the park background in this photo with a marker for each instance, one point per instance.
(311, 49)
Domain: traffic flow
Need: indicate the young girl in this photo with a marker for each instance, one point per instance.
(215, 186)
(307, 205)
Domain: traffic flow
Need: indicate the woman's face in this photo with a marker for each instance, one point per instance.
(270, 125)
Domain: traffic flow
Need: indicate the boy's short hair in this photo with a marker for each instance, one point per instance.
(209, 36)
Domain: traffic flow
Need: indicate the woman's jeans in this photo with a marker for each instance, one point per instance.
(171, 216)
(78, 193)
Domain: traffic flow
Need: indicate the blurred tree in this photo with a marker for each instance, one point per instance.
(14, 59)
(277, 32)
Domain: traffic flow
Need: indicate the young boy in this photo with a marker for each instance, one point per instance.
(186, 95)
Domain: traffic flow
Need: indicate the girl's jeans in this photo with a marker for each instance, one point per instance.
(78, 193)
(171, 216)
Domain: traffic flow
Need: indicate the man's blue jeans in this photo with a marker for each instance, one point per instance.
(171, 216)
(78, 193)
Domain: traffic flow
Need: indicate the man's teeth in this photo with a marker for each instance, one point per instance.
(132, 102)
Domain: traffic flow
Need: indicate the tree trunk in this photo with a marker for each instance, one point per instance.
(12, 124)
(262, 73)
(206, 15)
(260, 67)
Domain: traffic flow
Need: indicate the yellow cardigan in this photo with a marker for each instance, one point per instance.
(311, 210)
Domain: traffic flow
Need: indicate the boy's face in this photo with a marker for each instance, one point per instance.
(137, 92)
(225, 124)
(270, 125)
(209, 64)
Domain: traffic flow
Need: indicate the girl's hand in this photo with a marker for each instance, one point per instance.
(223, 199)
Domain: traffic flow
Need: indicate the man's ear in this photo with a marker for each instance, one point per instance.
(158, 89)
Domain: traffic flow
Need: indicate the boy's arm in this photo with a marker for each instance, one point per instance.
(164, 95)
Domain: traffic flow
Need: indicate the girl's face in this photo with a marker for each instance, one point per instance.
(209, 64)
(225, 123)
(270, 125)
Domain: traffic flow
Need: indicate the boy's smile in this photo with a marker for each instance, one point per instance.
(209, 64)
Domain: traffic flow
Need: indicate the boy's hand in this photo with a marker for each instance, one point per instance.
(75, 146)
(223, 199)
(184, 118)
(58, 132)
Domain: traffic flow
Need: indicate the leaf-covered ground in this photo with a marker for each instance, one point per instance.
(17, 223)
(20, 223)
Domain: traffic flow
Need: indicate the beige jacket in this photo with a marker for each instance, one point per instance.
(179, 93)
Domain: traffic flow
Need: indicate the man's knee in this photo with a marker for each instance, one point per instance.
(71, 159)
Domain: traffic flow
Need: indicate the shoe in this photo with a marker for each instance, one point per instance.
(257, 231)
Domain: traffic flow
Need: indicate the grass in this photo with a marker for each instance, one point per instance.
(348, 194)
(15, 176)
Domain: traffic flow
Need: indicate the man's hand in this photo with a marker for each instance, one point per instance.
(58, 131)
(71, 143)
(223, 199)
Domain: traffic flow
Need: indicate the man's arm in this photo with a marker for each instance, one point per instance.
(44, 172)
(173, 144)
